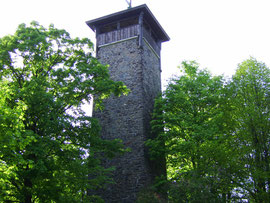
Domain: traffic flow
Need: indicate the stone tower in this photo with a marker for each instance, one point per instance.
(130, 42)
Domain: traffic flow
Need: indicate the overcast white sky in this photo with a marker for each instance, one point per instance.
(218, 34)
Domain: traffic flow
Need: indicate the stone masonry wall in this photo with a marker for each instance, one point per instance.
(128, 117)
(151, 89)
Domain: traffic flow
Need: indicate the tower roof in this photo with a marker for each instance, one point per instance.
(135, 11)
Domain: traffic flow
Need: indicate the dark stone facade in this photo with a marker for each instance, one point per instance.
(128, 117)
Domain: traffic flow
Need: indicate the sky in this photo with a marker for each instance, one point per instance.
(218, 34)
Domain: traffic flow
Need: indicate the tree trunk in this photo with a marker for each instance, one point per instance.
(28, 186)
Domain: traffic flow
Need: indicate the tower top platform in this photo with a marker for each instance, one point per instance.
(134, 12)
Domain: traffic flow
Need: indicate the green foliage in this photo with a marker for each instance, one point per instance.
(193, 128)
(215, 134)
(150, 195)
(48, 146)
(250, 99)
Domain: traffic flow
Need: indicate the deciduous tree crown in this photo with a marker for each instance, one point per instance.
(47, 143)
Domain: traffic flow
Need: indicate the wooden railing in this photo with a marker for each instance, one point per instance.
(117, 35)
(125, 33)
(151, 41)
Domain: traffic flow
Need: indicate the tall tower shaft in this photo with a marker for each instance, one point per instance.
(130, 42)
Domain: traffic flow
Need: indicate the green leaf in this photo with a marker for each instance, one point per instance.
(48, 146)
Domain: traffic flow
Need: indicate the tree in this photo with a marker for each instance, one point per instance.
(190, 119)
(250, 99)
(48, 145)
(215, 134)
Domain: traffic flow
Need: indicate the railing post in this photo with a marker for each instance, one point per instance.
(140, 29)
(97, 39)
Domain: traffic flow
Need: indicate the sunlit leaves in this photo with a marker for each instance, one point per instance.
(48, 145)
(251, 88)
(215, 134)
(189, 122)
